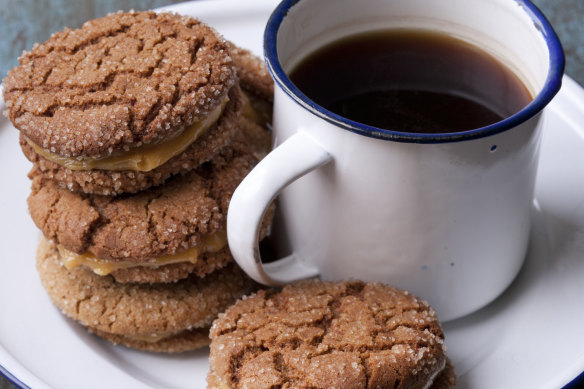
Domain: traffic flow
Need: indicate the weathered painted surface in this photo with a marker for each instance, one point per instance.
(567, 17)
(24, 22)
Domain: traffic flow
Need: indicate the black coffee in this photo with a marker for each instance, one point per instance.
(412, 81)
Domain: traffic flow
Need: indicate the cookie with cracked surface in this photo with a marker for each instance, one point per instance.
(108, 182)
(162, 234)
(252, 72)
(127, 93)
(256, 111)
(445, 380)
(316, 334)
(160, 317)
(257, 84)
(120, 81)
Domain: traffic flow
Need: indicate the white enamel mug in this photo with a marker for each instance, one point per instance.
(444, 216)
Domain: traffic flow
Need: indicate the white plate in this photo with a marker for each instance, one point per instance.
(531, 337)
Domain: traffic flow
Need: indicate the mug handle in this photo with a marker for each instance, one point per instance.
(295, 157)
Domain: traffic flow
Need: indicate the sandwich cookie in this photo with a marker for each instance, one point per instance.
(161, 318)
(316, 334)
(258, 93)
(252, 73)
(165, 233)
(162, 234)
(125, 102)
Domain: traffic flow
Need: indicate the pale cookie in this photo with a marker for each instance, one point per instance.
(316, 334)
(160, 317)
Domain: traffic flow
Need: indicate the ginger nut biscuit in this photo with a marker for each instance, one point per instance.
(160, 317)
(124, 95)
(252, 72)
(162, 234)
(108, 182)
(316, 334)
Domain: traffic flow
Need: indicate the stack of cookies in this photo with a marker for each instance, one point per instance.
(140, 126)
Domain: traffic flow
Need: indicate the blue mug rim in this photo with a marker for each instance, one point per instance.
(551, 86)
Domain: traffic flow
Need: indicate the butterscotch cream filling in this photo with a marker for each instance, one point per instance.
(209, 244)
(143, 158)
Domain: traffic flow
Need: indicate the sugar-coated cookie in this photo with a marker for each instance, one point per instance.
(314, 334)
(170, 317)
(107, 182)
(126, 93)
(158, 235)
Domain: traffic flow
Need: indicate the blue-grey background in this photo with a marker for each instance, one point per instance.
(24, 22)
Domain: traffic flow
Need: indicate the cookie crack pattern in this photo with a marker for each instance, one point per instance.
(92, 231)
(235, 364)
(100, 222)
(195, 51)
(142, 226)
(90, 41)
(79, 303)
(364, 362)
(209, 145)
(107, 321)
(150, 215)
(51, 211)
(45, 77)
(134, 78)
(306, 337)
